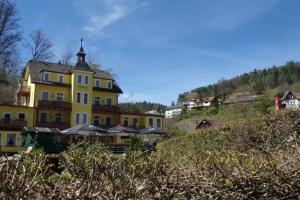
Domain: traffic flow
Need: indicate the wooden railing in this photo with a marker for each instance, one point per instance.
(54, 105)
(23, 89)
(97, 108)
(12, 124)
(60, 125)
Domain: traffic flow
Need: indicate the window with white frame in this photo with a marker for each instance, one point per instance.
(60, 78)
(45, 96)
(43, 117)
(158, 123)
(79, 79)
(84, 118)
(151, 122)
(109, 85)
(125, 122)
(11, 139)
(77, 118)
(85, 98)
(59, 96)
(86, 79)
(46, 76)
(108, 121)
(98, 83)
(21, 116)
(135, 122)
(108, 101)
(97, 100)
(58, 118)
(7, 116)
(96, 121)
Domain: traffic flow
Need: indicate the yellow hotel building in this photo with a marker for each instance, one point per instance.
(54, 95)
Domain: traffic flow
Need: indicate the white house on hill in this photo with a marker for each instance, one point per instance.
(173, 111)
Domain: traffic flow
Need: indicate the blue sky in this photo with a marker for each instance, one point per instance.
(160, 48)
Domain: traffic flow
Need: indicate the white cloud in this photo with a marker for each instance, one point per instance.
(115, 10)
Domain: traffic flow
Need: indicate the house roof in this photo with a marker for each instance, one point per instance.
(84, 129)
(209, 98)
(284, 95)
(206, 122)
(36, 67)
(121, 129)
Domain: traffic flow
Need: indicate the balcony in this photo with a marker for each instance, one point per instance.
(97, 108)
(23, 90)
(12, 124)
(54, 105)
(59, 125)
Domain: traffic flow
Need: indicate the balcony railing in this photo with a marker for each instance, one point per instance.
(54, 105)
(12, 124)
(59, 125)
(97, 108)
(23, 90)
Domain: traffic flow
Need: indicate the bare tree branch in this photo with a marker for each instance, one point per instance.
(67, 57)
(10, 35)
(40, 46)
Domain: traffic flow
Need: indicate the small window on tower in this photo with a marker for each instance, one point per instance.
(79, 79)
(86, 80)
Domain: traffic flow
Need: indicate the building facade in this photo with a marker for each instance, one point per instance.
(286, 100)
(54, 95)
(173, 111)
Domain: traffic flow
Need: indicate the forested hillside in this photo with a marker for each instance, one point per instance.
(257, 81)
(142, 107)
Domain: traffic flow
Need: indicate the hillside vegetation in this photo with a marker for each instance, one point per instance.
(267, 81)
(257, 158)
(142, 107)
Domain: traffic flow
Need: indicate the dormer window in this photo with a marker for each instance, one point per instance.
(60, 78)
(97, 83)
(109, 85)
(46, 76)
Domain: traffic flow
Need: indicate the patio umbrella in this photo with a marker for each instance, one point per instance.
(122, 130)
(151, 130)
(85, 130)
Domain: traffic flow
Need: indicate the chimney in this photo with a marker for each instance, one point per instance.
(277, 103)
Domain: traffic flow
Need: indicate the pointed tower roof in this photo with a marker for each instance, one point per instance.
(81, 63)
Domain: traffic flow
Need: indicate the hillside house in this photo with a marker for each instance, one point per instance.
(208, 123)
(189, 104)
(286, 100)
(173, 111)
(207, 101)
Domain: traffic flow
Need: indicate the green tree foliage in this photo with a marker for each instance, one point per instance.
(142, 107)
(264, 104)
(257, 158)
(258, 81)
